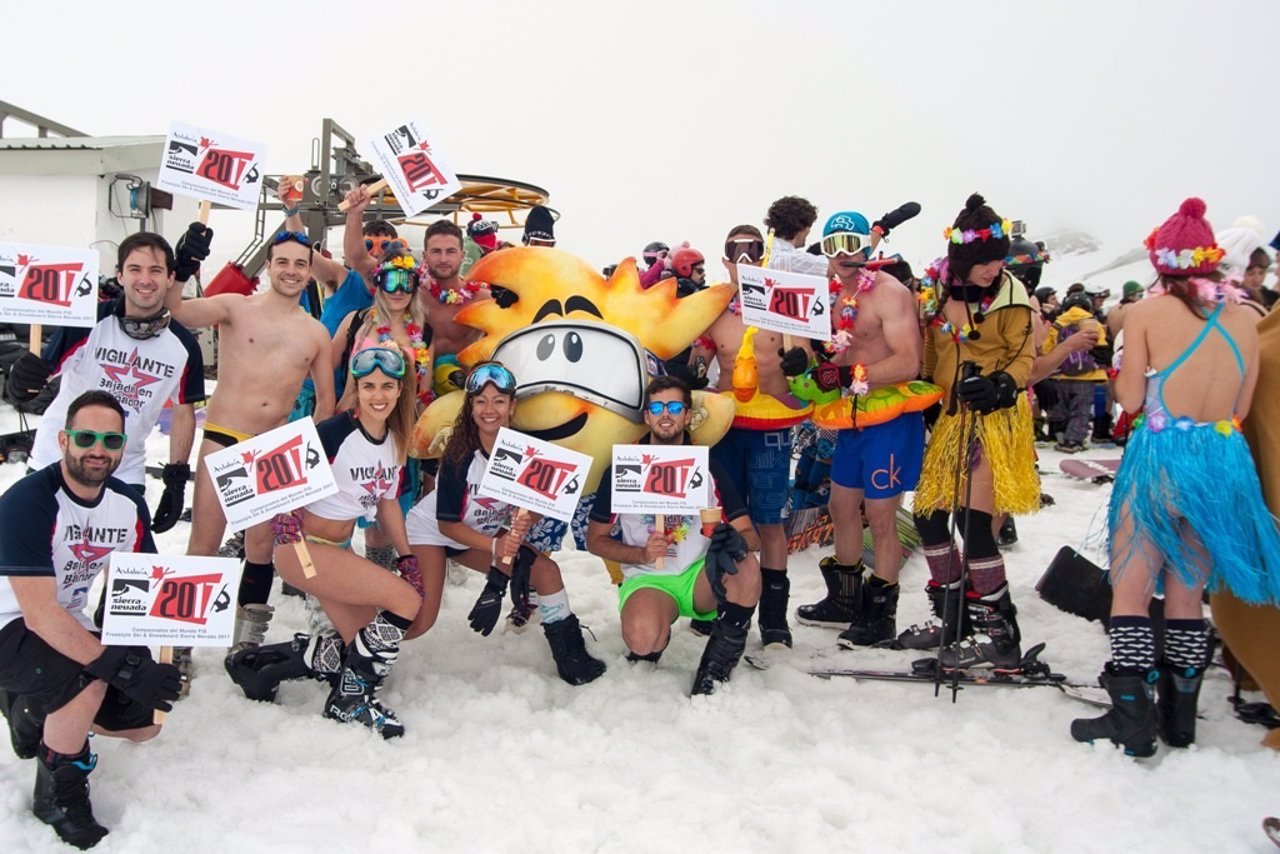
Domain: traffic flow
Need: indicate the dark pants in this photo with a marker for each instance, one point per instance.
(1074, 408)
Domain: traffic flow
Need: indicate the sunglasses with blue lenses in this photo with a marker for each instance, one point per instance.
(366, 361)
(286, 236)
(491, 372)
(85, 439)
(675, 407)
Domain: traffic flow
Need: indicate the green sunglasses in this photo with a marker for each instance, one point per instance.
(89, 438)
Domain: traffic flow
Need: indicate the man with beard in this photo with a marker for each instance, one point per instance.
(444, 295)
(135, 354)
(57, 680)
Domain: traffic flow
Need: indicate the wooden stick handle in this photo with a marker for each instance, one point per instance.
(166, 657)
(520, 514)
(304, 558)
(204, 212)
(375, 187)
(37, 332)
(786, 341)
(660, 526)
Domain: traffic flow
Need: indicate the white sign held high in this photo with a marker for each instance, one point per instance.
(535, 475)
(789, 303)
(212, 167)
(53, 285)
(418, 175)
(170, 600)
(668, 479)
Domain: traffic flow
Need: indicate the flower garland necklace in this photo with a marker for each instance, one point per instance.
(932, 309)
(417, 343)
(848, 314)
(452, 296)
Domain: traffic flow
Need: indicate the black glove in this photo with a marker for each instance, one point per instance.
(828, 377)
(726, 548)
(794, 362)
(192, 248)
(988, 393)
(170, 508)
(484, 614)
(521, 569)
(27, 377)
(697, 383)
(897, 217)
(504, 297)
(131, 670)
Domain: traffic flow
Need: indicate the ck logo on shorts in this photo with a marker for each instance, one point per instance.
(887, 478)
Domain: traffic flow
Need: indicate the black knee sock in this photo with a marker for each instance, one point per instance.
(738, 616)
(935, 528)
(255, 583)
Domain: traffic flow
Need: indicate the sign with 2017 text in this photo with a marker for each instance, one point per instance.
(170, 600)
(276, 472)
(212, 166)
(672, 479)
(56, 285)
(417, 174)
(535, 475)
(790, 303)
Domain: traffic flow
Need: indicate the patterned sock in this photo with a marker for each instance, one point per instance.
(986, 574)
(944, 563)
(553, 607)
(326, 654)
(1186, 643)
(383, 556)
(1133, 644)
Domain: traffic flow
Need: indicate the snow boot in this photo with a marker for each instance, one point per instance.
(774, 631)
(259, 670)
(995, 639)
(186, 668)
(1178, 693)
(651, 657)
(574, 664)
(251, 624)
(1008, 533)
(1131, 722)
(721, 654)
(701, 628)
(25, 728)
(877, 617)
(61, 798)
(1056, 430)
(950, 624)
(1102, 428)
(368, 660)
(839, 607)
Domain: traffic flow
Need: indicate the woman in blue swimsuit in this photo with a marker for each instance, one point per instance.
(1186, 512)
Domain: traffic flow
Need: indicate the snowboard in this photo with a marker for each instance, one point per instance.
(1095, 471)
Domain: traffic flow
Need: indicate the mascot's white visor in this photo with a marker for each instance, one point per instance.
(593, 361)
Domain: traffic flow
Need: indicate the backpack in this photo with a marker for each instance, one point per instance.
(1079, 363)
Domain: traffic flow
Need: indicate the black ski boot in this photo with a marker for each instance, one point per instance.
(651, 657)
(877, 617)
(574, 664)
(721, 654)
(840, 606)
(259, 670)
(61, 798)
(774, 631)
(1102, 429)
(1008, 533)
(25, 728)
(369, 658)
(1178, 691)
(1131, 723)
(701, 628)
(995, 639)
(950, 623)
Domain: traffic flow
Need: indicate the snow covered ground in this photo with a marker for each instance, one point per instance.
(501, 755)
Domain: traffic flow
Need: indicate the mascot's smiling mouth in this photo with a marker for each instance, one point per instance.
(560, 431)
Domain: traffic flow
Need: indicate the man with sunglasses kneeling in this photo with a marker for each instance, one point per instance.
(708, 572)
(57, 681)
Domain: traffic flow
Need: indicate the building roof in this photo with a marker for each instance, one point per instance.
(83, 143)
(79, 155)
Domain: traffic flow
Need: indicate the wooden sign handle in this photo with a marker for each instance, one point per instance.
(204, 212)
(376, 187)
(37, 332)
(660, 526)
(520, 514)
(304, 558)
(166, 657)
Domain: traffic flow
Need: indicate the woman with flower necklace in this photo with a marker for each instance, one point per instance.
(981, 456)
(1187, 509)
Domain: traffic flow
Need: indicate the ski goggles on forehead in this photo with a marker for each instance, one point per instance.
(384, 359)
(845, 243)
(379, 245)
(397, 281)
(491, 372)
(744, 250)
(287, 236)
(85, 439)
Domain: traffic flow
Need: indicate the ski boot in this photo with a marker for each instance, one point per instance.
(369, 658)
(950, 624)
(876, 621)
(1008, 533)
(1131, 722)
(1102, 429)
(233, 547)
(61, 798)
(1178, 692)
(251, 624)
(186, 668)
(520, 617)
(259, 670)
(996, 636)
(772, 619)
(574, 664)
(701, 628)
(651, 657)
(840, 606)
(721, 654)
(25, 729)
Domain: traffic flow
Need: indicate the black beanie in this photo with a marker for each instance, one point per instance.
(539, 225)
(983, 237)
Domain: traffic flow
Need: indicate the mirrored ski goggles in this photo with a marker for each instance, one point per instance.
(744, 250)
(379, 245)
(286, 236)
(384, 359)
(846, 243)
(491, 372)
(89, 438)
(142, 328)
(675, 407)
(397, 281)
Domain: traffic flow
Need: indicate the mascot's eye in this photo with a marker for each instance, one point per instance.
(547, 345)
(572, 346)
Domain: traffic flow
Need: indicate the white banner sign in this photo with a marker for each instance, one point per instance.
(417, 174)
(56, 285)
(273, 473)
(790, 303)
(535, 475)
(212, 166)
(170, 600)
(669, 479)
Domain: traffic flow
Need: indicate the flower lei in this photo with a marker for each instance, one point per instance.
(421, 350)
(1207, 290)
(848, 314)
(450, 296)
(928, 297)
(996, 229)
(400, 262)
(679, 532)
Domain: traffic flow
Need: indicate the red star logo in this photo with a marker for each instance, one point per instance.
(130, 368)
(87, 553)
(205, 142)
(487, 503)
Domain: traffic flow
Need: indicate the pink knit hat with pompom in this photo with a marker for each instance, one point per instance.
(1185, 245)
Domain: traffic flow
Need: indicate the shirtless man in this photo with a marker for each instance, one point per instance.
(757, 461)
(871, 465)
(267, 345)
(445, 294)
